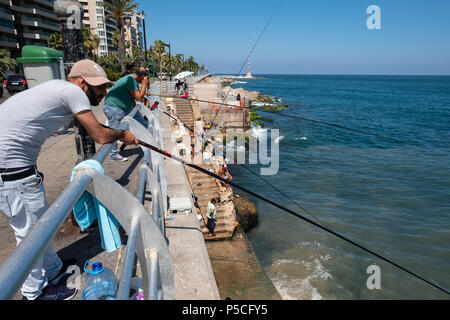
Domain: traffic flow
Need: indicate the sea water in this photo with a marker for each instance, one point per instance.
(388, 190)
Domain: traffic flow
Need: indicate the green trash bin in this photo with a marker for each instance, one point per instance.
(41, 64)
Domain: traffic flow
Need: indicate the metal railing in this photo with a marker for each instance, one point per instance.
(145, 231)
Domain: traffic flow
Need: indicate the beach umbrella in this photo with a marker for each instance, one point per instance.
(183, 75)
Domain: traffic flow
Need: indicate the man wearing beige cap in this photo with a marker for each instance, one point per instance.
(26, 121)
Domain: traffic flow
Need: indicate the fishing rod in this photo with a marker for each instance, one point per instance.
(254, 173)
(293, 117)
(205, 171)
(248, 57)
(327, 229)
(155, 106)
(283, 194)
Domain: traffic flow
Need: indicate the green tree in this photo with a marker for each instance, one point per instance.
(178, 62)
(120, 9)
(91, 41)
(159, 50)
(192, 64)
(110, 63)
(55, 41)
(115, 39)
(137, 52)
(6, 62)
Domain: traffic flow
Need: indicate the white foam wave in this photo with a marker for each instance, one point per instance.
(304, 244)
(277, 140)
(258, 131)
(302, 138)
(295, 287)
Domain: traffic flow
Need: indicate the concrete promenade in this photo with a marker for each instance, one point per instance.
(193, 275)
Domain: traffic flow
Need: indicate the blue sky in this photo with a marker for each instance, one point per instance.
(306, 37)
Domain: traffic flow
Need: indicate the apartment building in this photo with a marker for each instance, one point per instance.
(96, 18)
(31, 22)
(133, 34)
(26, 22)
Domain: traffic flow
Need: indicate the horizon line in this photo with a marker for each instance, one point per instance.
(335, 74)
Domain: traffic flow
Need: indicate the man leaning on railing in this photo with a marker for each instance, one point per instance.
(26, 121)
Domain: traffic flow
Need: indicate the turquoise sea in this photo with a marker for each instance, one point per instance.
(392, 196)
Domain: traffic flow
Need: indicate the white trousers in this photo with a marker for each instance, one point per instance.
(23, 202)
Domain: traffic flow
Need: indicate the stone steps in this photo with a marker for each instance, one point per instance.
(203, 183)
(204, 186)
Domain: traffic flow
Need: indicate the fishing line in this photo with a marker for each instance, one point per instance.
(332, 125)
(283, 194)
(205, 171)
(248, 57)
(319, 225)
(254, 173)
(296, 117)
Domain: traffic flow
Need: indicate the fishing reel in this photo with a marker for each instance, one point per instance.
(154, 106)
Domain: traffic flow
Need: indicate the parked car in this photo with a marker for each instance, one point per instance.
(16, 83)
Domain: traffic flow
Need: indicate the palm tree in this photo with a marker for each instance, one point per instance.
(159, 50)
(137, 52)
(55, 41)
(6, 62)
(120, 9)
(191, 62)
(178, 62)
(91, 41)
(109, 62)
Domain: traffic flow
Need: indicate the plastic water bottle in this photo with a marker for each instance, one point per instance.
(101, 283)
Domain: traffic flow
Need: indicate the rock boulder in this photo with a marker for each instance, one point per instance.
(246, 213)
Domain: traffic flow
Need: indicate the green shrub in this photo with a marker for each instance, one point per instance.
(259, 123)
(112, 76)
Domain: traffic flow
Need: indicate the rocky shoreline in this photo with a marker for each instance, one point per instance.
(238, 273)
(236, 268)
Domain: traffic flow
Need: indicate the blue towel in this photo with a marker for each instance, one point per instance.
(88, 208)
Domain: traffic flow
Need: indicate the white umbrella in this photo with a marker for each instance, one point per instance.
(183, 75)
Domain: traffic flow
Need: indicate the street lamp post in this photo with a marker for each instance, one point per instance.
(170, 61)
(145, 37)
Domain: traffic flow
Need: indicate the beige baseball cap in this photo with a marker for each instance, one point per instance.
(90, 71)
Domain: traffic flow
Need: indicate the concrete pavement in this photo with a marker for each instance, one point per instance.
(194, 277)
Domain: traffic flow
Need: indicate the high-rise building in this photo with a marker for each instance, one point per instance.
(26, 22)
(96, 18)
(133, 33)
(31, 22)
